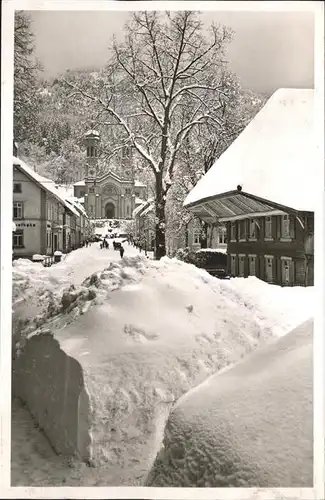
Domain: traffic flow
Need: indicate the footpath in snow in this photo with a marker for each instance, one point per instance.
(145, 332)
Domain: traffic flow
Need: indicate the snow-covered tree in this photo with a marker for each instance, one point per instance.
(200, 150)
(167, 62)
(26, 79)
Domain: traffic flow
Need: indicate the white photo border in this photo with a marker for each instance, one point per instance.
(6, 491)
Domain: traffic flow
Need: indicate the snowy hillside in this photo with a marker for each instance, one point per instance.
(145, 332)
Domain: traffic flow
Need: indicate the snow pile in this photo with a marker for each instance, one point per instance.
(281, 308)
(37, 290)
(145, 332)
(217, 249)
(251, 425)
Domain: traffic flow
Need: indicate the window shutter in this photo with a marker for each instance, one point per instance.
(292, 272)
(276, 227)
(292, 222)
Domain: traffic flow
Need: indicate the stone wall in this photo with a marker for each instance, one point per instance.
(51, 384)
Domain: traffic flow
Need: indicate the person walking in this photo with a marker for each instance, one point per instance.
(121, 251)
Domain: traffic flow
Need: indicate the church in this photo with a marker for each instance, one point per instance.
(107, 194)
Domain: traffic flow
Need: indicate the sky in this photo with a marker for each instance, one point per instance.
(270, 50)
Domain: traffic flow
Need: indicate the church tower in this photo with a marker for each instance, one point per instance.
(92, 202)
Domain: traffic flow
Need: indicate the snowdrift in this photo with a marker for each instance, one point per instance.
(250, 425)
(117, 352)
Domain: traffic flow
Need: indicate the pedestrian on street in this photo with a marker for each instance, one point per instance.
(121, 252)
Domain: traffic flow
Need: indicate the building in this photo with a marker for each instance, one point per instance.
(264, 188)
(44, 221)
(144, 218)
(106, 193)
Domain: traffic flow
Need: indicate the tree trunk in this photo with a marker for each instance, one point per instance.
(204, 236)
(160, 222)
(186, 235)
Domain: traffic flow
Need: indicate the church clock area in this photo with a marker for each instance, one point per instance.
(108, 194)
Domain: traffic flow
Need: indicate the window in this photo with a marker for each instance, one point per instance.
(48, 239)
(268, 228)
(128, 191)
(233, 265)
(18, 238)
(222, 236)
(137, 193)
(91, 190)
(18, 209)
(82, 193)
(196, 238)
(241, 265)
(128, 211)
(233, 235)
(286, 270)
(285, 227)
(269, 268)
(252, 265)
(252, 229)
(242, 230)
(17, 187)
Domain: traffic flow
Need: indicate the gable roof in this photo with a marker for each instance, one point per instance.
(139, 184)
(274, 158)
(43, 182)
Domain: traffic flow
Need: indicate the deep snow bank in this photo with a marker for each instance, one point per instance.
(143, 333)
(250, 425)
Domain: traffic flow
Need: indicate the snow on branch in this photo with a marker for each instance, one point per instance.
(121, 121)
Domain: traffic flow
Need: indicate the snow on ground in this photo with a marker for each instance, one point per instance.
(170, 322)
(248, 425)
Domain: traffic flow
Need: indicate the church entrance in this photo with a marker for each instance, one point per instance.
(110, 210)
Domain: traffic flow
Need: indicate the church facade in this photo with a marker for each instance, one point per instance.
(108, 194)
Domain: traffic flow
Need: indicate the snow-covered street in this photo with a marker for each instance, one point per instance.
(81, 263)
(145, 332)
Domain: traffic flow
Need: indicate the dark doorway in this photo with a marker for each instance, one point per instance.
(55, 242)
(109, 211)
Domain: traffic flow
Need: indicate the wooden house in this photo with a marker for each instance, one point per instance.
(264, 188)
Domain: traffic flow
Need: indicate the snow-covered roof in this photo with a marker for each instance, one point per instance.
(80, 183)
(273, 158)
(139, 184)
(144, 208)
(147, 210)
(138, 209)
(14, 226)
(64, 190)
(92, 132)
(76, 202)
(46, 183)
